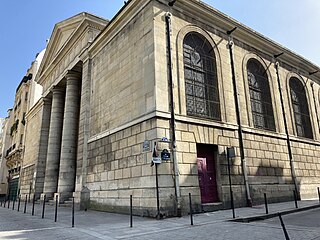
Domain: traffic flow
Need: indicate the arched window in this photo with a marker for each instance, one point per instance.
(260, 96)
(300, 108)
(202, 95)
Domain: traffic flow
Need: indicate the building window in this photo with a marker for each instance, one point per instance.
(21, 139)
(26, 96)
(260, 96)
(202, 95)
(300, 108)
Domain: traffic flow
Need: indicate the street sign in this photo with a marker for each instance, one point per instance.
(156, 160)
(165, 155)
(146, 146)
(231, 152)
(164, 139)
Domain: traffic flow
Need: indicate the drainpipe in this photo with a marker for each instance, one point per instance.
(293, 175)
(235, 91)
(172, 118)
(315, 105)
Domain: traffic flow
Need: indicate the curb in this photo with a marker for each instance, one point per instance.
(272, 215)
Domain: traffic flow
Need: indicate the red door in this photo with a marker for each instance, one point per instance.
(207, 174)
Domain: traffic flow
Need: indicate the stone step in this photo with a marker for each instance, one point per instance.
(211, 207)
(67, 203)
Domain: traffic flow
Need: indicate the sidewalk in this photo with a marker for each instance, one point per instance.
(102, 225)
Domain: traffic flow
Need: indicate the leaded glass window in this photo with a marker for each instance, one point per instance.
(260, 96)
(202, 95)
(300, 108)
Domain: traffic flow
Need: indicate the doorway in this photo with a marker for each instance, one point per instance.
(206, 160)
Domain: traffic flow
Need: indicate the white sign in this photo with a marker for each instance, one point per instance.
(156, 159)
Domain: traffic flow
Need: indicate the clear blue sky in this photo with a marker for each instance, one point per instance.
(26, 24)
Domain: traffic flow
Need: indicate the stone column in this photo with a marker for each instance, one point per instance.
(54, 143)
(67, 171)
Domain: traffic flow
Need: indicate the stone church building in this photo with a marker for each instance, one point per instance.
(177, 76)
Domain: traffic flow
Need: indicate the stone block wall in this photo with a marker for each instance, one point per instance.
(307, 167)
(118, 168)
(266, 152)
(27, 181)
(122, 74)
(125, 91)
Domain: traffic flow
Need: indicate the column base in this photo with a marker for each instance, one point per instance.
(63, 196)
(49, 196)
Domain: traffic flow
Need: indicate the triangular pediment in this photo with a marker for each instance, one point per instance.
(59, 37)
(64, 36)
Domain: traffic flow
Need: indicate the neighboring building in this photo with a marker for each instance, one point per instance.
(35, 93)
(3, 169)
(27, 94)
(113, 92)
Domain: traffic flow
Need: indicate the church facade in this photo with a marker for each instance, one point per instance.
(175, 82)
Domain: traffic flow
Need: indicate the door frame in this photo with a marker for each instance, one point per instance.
(216, 158)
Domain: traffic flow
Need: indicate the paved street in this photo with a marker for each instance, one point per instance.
(101, 225)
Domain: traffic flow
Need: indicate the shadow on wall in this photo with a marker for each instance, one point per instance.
(274, 180)
(268, 176)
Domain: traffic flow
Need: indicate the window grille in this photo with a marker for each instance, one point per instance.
(201, 85)
(260, 96)
(300, 108)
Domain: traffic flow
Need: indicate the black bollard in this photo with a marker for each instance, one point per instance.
(191, 211)
(8, 203)
(232, 205)
(295, 198)
(72, 217)
(25, 204)
(283, 227)
(43, 206)
(19, 204)
(33, 201)
(1, 203)
(266, 203)
(5, 203)
(131, 219)
(56, 210)
(319, 194)
(14, 202)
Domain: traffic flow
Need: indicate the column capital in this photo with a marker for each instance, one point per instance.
(56, 89)
(46, 101)
(72, 75)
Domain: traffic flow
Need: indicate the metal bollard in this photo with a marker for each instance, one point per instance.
(295, 198)
(33, 201)
(191, 211)
(283, 227)
(14, 202)
(43, 206)
(8, 203)
(5, 203)
(232, 205)
(1, 203)
(319, 194)
(266, 203)
(25, 204)
(72, 218)
(19, 203)
(56, 210)
(131, 219)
